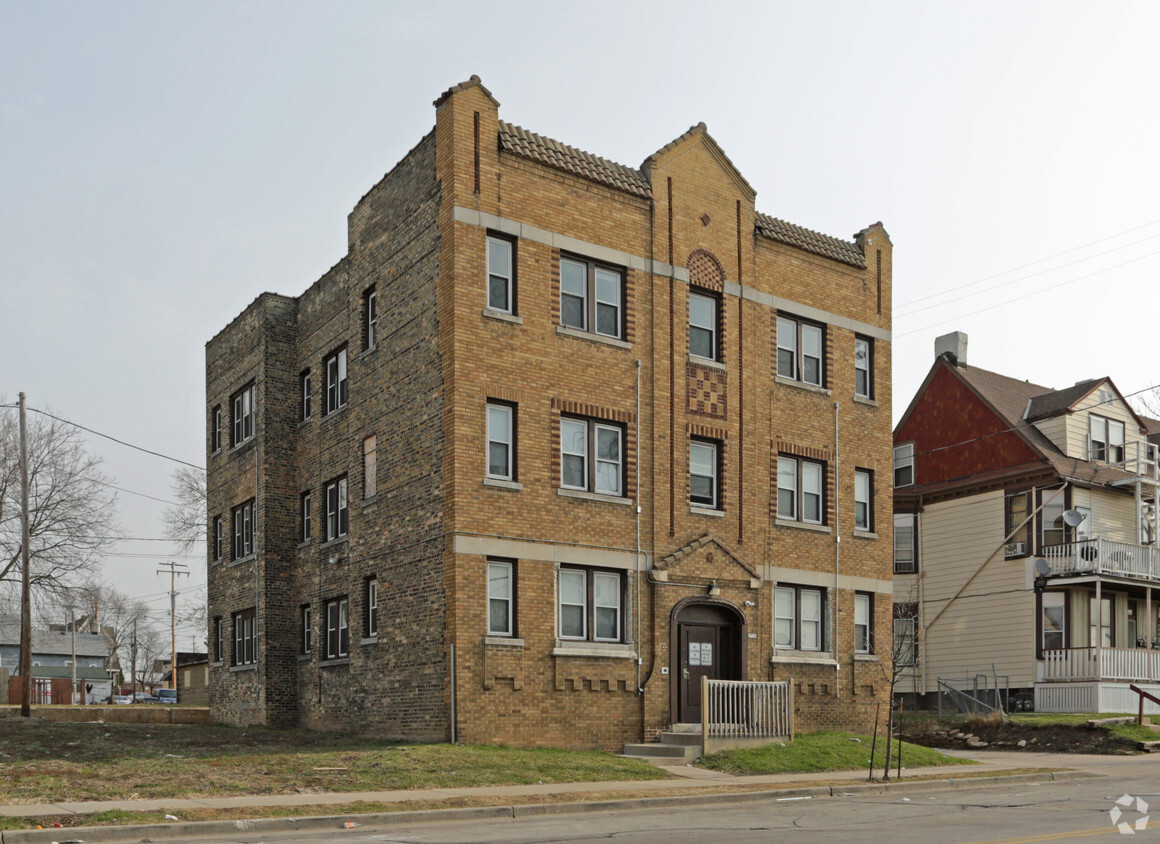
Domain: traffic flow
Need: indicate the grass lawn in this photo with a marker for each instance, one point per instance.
(42, 761)
(826, 751)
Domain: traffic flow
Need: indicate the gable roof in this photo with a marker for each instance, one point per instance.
(56, 643)
(670, 560)
(1059, 401)
(701, 131)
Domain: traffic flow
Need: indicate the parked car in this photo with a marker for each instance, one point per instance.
(166, 695)
(144, 697)
(123, 700)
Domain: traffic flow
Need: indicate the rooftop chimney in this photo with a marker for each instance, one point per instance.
(953, 347)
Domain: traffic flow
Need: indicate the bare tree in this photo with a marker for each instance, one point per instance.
(71, 509)
(116, 615)
(185, 522)
(903, 656)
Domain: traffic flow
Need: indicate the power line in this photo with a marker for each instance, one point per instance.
(119, 442)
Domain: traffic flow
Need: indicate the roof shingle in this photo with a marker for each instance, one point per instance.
(810, 241)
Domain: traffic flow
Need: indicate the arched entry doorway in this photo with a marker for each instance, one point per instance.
(707, 640)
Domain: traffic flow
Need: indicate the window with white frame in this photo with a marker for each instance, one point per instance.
(370, 318)
(904, 465)
(306, 511)
(336, 381)
(244, 530)
(703, 473)
(370, 467)
(1106, 437)
(304, 394)
(591, 456)
(337, 628)
(591, 297)
(216, 429)
(501, 274)
(219, 642)
(703, 331)
(904, 558)
(371, 604)
(863, 500)
(337, 511)
(245, 637)
(800, 485)
(216, 538)
(863, 367)
(798, 618)
(1054, 620)
(305, 629)
(863, 622)
(501, 598)
(590, 604)
(905, 624)
(501, 441)
(801, 351)
(244, 406)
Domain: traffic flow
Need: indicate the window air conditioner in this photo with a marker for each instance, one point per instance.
(1015, 549)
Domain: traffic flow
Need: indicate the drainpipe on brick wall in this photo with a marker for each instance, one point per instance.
(837, 551)
(639, 650)
(258, 654)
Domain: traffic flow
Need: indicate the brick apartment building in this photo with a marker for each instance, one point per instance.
(556, 437)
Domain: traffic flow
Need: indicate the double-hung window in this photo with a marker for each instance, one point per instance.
(800, 486)
(336, 383)
(1053, 620)
(801, 351)
(304, 629)
(337, 512)
(219, 641)
(501, 598)
(370, 467)
(1107, 439)
(501, 275)
(244, 530)
(592, 297)
(590, 604)
(244, 406)
(904, 465)
(905, 621)
(501, 441)
(216, 538)
(703, 331)
(591, 456)
(904, 543)
(704, 478)
(337, 628)
(216, 429)
(245, 637)
(798, 618)
(863, 498)
(370, 318)
(371, 598)
(307, 514)
(304, 394)
(863, 367)
(863, 622)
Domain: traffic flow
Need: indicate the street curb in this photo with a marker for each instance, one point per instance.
(186, 831)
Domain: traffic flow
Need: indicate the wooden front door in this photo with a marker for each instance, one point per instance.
(700, 656)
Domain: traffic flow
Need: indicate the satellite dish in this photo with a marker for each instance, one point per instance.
(1042, 568)
(1073, 518)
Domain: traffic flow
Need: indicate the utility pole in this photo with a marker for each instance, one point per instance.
(25, 582)
(133, 664)
(172, 568)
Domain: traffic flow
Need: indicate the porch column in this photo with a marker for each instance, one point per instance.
(1099, 631)
(1148, 624)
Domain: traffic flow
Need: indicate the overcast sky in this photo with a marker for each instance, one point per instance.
(162, 164)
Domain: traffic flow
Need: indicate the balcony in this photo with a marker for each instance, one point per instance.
(1123, 664)
(1141, 459)
(1103, 556)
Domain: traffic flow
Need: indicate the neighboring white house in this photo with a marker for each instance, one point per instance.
(1025, 538)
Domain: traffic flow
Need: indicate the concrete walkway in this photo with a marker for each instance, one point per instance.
(690, 780)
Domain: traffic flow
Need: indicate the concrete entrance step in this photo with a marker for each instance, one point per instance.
(672, 746)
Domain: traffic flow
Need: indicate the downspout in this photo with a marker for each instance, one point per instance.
(639, 655)
(258, 654)
(837, 551)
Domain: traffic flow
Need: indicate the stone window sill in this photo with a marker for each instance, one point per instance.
(801, 385)
(326, 417)
(253, 666)
(305, 543)
(304, 657)
(865, 534)
(503, 316)
(503, 641)
(869, 402)
(333, 542)
(242, 447)
(598, 650)
(789, 523)
(865, 657)
(369, 640)
(367, 502)
(708, 363)
(502, 484)
(593, 496)
(365, 353)
(591, 337)
(803, 658)
(249, 558)
(302, 423)
(330, 663)
(698, 510)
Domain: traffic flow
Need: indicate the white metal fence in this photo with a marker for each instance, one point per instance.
(745, 709)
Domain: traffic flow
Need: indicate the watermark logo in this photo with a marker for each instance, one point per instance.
(1124, 806)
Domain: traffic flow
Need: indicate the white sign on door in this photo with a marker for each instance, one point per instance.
(694, 653)
(706, 653)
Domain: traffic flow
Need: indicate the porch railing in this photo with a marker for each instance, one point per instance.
(745, 709)
(1103, 556)
(1110, 664)
(1140, 458)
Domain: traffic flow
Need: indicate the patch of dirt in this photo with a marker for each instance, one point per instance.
(1043, 738)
